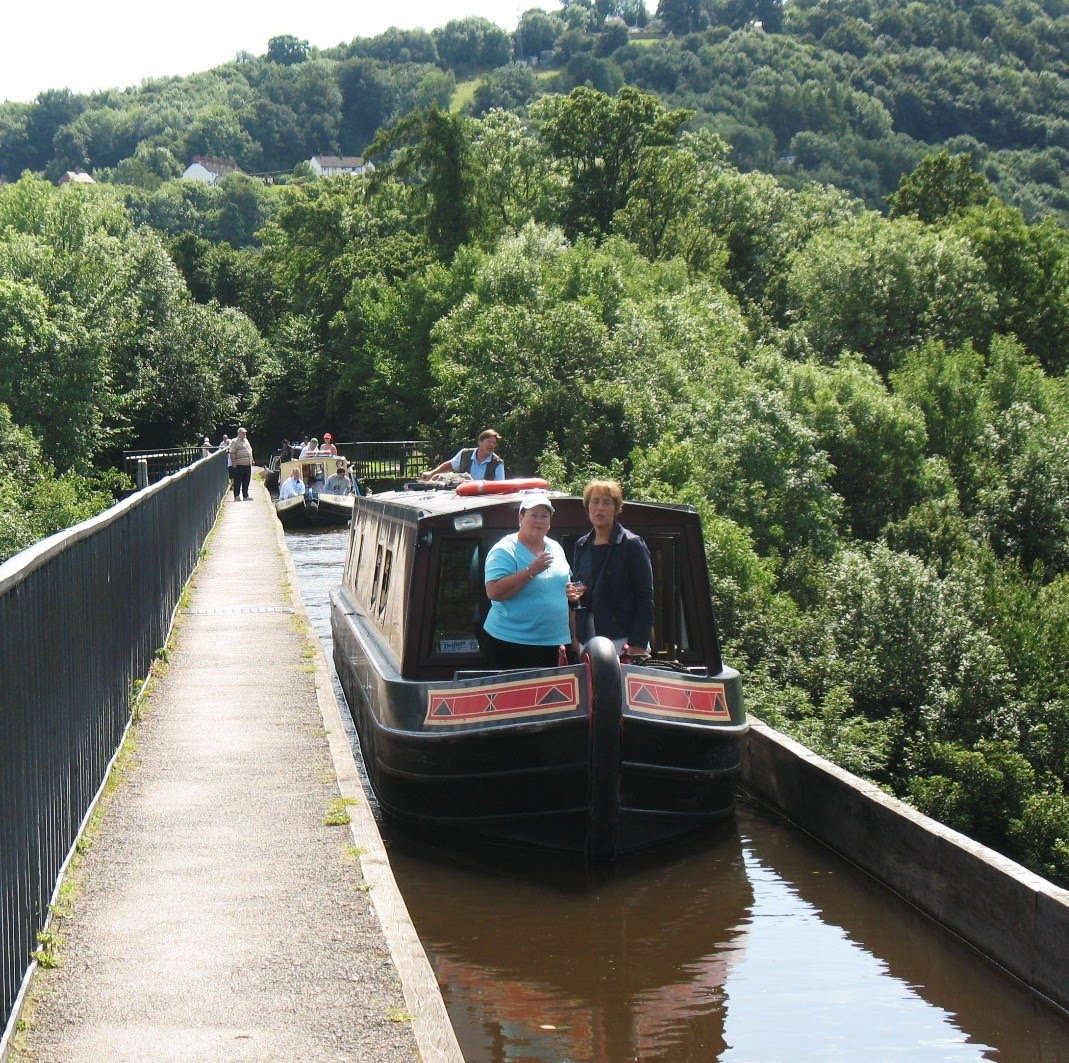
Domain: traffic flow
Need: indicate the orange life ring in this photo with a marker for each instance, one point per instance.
(501, 487)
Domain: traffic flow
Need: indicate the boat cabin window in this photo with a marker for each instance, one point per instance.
(461, 604)
(378, 572)
(313, 473)
(671, 630)
(384, 590)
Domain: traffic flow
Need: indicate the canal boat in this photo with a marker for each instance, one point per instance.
(600, 757)
(316, 506)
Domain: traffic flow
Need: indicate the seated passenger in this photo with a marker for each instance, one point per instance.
(311, 447)
(313, 479)
(292, 486)
(340, 483)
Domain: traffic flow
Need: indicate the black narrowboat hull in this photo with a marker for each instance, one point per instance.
(299, 512)
(598, 758)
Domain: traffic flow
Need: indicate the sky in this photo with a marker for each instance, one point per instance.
(85, 45)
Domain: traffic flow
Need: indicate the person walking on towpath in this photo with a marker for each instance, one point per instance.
(241, 464)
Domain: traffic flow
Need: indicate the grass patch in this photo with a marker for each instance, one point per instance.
(63, 908)
(338, 812)
(398, 1015)
(463, 95)
(48, 954)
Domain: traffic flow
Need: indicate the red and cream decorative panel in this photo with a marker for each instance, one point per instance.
(516, 700)
(680, 697)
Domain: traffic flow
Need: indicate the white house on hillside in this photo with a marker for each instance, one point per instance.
(329, 165)
(209, 170)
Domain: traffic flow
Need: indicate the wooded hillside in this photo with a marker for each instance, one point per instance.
(853, 94)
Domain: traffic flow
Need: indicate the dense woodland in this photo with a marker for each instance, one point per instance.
(853, 364)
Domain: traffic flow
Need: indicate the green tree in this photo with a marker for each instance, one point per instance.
(217, 132)
(947, 386)
(147, 168)
(875, 441)
(34, 501)
(940, 186)
(339, 259)
(597, 141)
(536, 32)
(64, 402)
(510, 87)
(1040, 836)
(668, 196)
(683, 16)
(981, 792)
(432, 149)
(906, 648)
(401, 46)
(881, 287)
(1026, 269)
(473, 43)
(511, 172)
(579, 14)
(286, 50)
(53, 109)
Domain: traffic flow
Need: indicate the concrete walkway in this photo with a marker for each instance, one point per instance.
(216, 916)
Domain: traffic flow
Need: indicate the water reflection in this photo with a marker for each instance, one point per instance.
(752, 943)
(539, 960)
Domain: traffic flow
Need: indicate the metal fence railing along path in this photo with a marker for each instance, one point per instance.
(82, 615)
(164, 461)
(380, 459)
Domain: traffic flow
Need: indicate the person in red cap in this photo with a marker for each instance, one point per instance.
(328, 446)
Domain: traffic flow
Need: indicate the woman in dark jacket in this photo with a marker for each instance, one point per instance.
(613, 564)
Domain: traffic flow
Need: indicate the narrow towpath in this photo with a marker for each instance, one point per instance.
(217, 916)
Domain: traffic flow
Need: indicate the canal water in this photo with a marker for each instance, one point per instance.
(752, 943)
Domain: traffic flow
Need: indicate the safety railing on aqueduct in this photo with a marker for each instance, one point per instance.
(82, 615)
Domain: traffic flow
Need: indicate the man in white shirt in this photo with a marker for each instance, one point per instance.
(292, 486)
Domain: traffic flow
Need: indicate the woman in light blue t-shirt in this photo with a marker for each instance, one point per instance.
(526, 582)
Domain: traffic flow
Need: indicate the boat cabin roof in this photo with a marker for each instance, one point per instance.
(416, 560)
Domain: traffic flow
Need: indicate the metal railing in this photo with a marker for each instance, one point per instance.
(397, 459)
(82, 615)
(157, 463)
